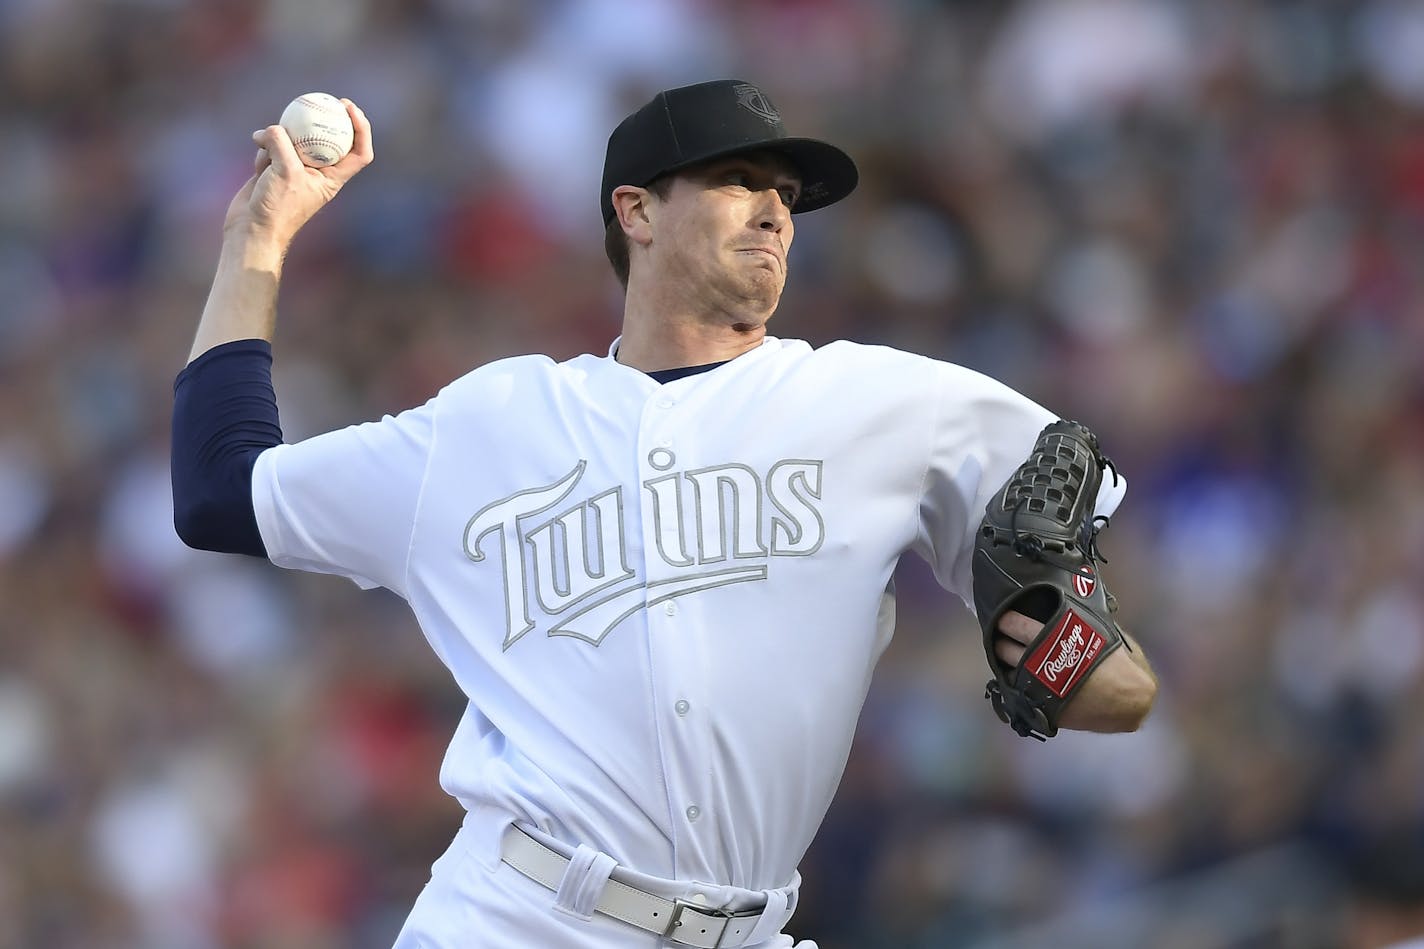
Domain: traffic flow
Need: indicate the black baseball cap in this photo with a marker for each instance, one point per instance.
(691, 124)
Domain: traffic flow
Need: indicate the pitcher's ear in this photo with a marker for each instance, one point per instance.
(634, 208)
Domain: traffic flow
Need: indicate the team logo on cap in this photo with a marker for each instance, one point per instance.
(755, 101)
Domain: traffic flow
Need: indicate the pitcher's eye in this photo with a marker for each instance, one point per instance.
(739, 178)
(789, 196)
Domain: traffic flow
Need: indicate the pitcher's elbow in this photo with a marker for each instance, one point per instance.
(191, 522)
(207, 523)
(1145, 696)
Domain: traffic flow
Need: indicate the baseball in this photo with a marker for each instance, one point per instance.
(319, 127)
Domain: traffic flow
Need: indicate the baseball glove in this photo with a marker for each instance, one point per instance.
(1037, 552)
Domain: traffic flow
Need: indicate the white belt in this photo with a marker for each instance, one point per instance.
(684, 923)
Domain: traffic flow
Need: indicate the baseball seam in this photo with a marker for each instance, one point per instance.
(301, 144)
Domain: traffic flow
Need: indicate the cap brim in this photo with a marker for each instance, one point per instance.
(827, 173)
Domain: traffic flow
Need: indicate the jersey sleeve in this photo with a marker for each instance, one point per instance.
(982, 432)
(344, 502)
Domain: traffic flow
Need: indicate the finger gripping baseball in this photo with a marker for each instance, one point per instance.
(1036, 552)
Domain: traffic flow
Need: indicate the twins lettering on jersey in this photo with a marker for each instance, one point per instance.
(573, 564)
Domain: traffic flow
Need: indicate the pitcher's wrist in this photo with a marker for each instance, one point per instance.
(249, 247)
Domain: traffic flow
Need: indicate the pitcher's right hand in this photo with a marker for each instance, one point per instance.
(283, 194)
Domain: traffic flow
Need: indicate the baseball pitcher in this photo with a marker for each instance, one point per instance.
(662, 574)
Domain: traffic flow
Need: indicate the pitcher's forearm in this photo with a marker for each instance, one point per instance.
(1117, 695)
(242, 303)
(261, 223)
(1135, 651)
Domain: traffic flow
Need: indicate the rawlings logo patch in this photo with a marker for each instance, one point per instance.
(1065, 654)
(1084, 582)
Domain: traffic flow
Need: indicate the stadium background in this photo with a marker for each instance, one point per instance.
(1195, 224)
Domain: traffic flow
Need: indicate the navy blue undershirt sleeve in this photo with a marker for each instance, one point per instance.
(224, 416)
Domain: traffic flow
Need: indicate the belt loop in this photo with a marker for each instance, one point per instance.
(773, 917)
(780, 905)
(583, 882)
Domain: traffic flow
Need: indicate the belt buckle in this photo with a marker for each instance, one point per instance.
(726, 915)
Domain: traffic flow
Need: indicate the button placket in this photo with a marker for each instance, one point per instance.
(661, 496)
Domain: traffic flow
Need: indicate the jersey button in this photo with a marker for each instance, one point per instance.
(694, 812)
(670, 608)
(682, 707)
(665, 403)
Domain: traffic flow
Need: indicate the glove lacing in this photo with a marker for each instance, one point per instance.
(1031, 545)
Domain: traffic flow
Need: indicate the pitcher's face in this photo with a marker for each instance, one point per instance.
(725, 229)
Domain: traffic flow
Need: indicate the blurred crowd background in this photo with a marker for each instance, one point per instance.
(1196, 225)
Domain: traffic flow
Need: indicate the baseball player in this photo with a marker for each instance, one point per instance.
(662, 575)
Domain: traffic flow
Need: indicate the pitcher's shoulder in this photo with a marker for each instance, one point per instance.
(502, 378)
(845, 355)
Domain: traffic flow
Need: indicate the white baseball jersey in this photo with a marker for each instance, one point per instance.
(664, 602)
